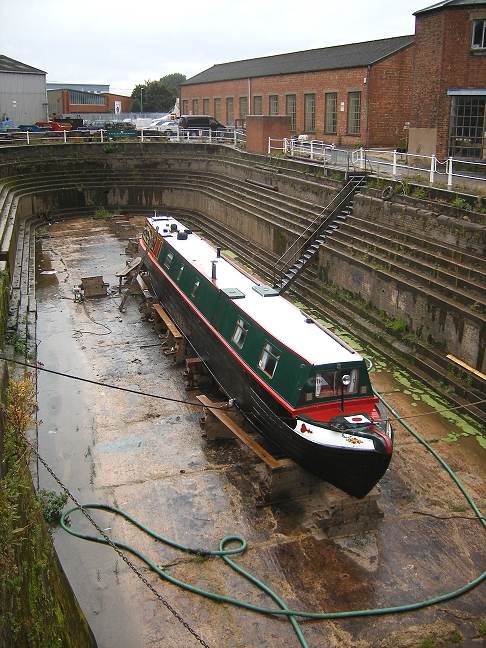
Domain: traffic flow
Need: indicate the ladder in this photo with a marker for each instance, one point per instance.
(297, 257)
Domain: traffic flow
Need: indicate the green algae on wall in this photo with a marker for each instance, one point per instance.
(37, 606)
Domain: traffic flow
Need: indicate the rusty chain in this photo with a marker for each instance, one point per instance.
(105, 536)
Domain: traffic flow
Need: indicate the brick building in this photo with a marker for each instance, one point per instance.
(72, 100)
(449, 80)
(430, 87)
(330, 93)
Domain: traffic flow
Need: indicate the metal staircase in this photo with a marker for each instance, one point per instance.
(296, 258)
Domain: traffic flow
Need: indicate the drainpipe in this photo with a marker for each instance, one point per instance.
(248, 108)
(367, 101)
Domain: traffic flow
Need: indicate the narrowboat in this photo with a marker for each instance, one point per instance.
(301, 386)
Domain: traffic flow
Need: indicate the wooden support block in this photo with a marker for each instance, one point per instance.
(344, 515)
(94, 286)
(213, 410)
(196, 374)
(289, 482)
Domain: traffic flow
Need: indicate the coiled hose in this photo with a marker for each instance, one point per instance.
(282, 610)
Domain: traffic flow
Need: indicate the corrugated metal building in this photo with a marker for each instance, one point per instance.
(23, 96)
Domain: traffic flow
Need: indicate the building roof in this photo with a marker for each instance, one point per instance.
(326, 58)
(82, 87)
(446, 4)
(9, 65)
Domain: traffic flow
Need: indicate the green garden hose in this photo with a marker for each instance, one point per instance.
(283, 610)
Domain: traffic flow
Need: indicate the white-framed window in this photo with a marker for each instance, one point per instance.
(168, 260)
(240, 333)
(329, 383)
(195, 106)
(269, 359)
(185, 106)
(479, 34)
(206, 107)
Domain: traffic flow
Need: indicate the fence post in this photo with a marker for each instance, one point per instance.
(28, 139)
(269, 146)
(65, 140)
(312, 150)
(433, 160)
(361, 158)
(449, 171)
(101, 136)
(394, 171)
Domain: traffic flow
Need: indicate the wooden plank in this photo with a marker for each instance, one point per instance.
(143, 287)
(169, 323)
(466, 366)
(267, 458)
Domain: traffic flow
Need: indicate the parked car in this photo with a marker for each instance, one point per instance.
(200, 122)
(55, 126)
(100, 124)
(165, 126)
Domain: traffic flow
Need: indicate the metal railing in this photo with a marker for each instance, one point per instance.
(399, 164)
(387, 162)
(232, 136)
(391, 163)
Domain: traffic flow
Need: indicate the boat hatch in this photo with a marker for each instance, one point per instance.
(265, 291)
(233, 293)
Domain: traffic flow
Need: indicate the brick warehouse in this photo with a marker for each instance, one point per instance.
(426, 92)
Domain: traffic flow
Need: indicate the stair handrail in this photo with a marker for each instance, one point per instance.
(343, 196)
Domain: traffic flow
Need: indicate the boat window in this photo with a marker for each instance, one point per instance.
(269, 359)
(195, 287)
(179, 274)
(168, 260)
(329, 383)
(240, 332)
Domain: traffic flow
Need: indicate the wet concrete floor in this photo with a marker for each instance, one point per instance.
(147, 455)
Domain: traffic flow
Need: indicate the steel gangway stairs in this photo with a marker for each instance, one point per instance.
(297, 257)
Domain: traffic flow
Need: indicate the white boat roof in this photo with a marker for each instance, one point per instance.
(278, 316)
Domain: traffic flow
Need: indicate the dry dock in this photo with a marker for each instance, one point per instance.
(146, 454)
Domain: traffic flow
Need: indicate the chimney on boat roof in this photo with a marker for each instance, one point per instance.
(213, 270)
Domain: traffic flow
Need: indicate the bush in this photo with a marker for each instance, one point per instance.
(52, 504)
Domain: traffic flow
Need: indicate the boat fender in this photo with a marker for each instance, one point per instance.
(387, 193)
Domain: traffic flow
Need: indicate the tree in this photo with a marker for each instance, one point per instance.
(157, 96)
(174, 80)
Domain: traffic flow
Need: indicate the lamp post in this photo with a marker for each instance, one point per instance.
(141, 102)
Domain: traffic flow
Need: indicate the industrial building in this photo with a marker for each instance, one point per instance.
(76, 99)
(23, 98)
(425, 92)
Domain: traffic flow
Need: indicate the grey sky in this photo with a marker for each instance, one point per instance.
(125, 43)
